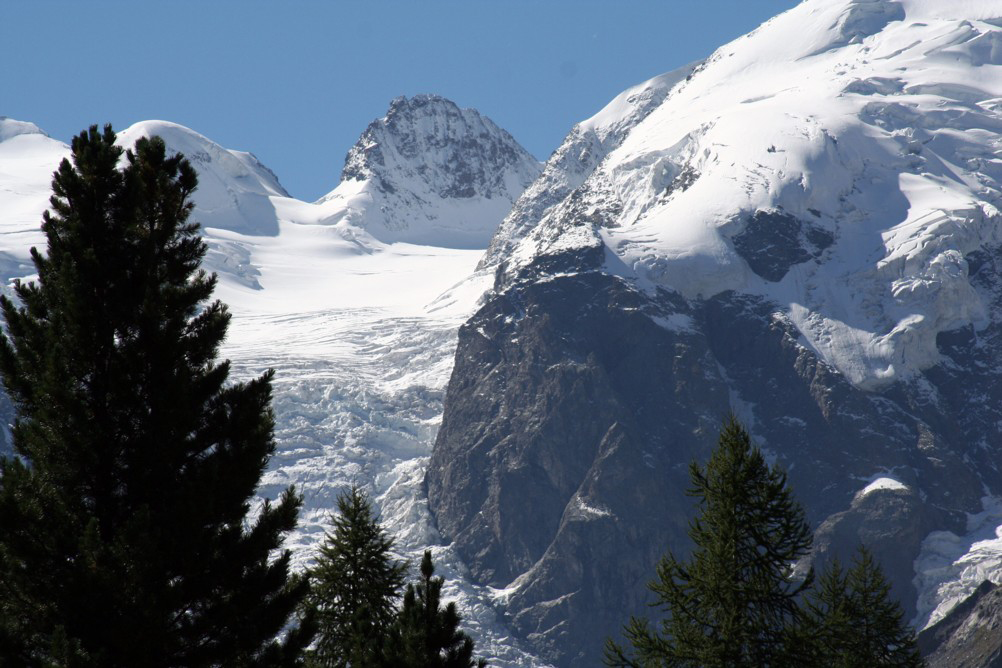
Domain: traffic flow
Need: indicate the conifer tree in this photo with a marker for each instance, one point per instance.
(733, 602)
(425, 635)
(356, 585)
(126, 532)
(850, 620)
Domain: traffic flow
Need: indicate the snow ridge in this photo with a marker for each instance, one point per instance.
(862, 137)
(576, 158)
(10, 128)
(233, 186)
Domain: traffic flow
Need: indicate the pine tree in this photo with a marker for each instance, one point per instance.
(356, 585)
(733, 603)
(126, 532)
(851, 621)
(425, 636)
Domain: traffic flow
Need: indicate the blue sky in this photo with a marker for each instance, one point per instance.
(297, 82)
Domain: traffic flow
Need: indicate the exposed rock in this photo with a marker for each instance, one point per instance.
(576, 405)
(970, 636)
(573, 410)
(891, 523)
(774, 241)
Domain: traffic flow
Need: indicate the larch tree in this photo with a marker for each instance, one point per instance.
(128, 531)
(734, 603)
(851, 621)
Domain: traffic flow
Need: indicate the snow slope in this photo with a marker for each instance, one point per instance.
(27, 159)
(360, 330)
(584, 148)
(877, 125)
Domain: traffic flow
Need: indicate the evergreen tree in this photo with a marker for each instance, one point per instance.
(126, 532)
(850, 620)
(356, 585)
(734, 602)
(425, 636)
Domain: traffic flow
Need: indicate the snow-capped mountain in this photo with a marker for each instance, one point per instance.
(432, 173)
(874, 124)
(580, 153)
(361, 330)
(802, 229)
(233, 186)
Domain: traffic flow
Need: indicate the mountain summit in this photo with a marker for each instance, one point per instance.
(430, 172)
(233, 186)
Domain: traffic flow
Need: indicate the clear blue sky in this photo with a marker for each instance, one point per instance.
(296, 82)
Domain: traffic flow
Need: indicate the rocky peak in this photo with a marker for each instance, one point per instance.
(431, 173)
(427, 143)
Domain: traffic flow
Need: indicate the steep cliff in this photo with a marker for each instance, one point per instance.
(803, 229)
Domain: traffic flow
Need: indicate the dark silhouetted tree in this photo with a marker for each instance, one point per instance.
(355, 587)
(425, 635)
(127, 535)
(851, 621)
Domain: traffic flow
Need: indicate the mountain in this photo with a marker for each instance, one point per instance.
(432, 173)
(233, 186)
(360, 327)
(574, 160)
(802, 229)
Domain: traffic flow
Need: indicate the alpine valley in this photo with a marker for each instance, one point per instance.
(519, 361)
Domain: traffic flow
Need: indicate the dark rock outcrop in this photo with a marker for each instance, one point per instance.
(577, 402)
(892, 523)
(773, 241)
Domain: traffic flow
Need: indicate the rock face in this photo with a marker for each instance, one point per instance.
(820, 276)
(576, 406)
(774, 242)
(969, 636)
(430, 172)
